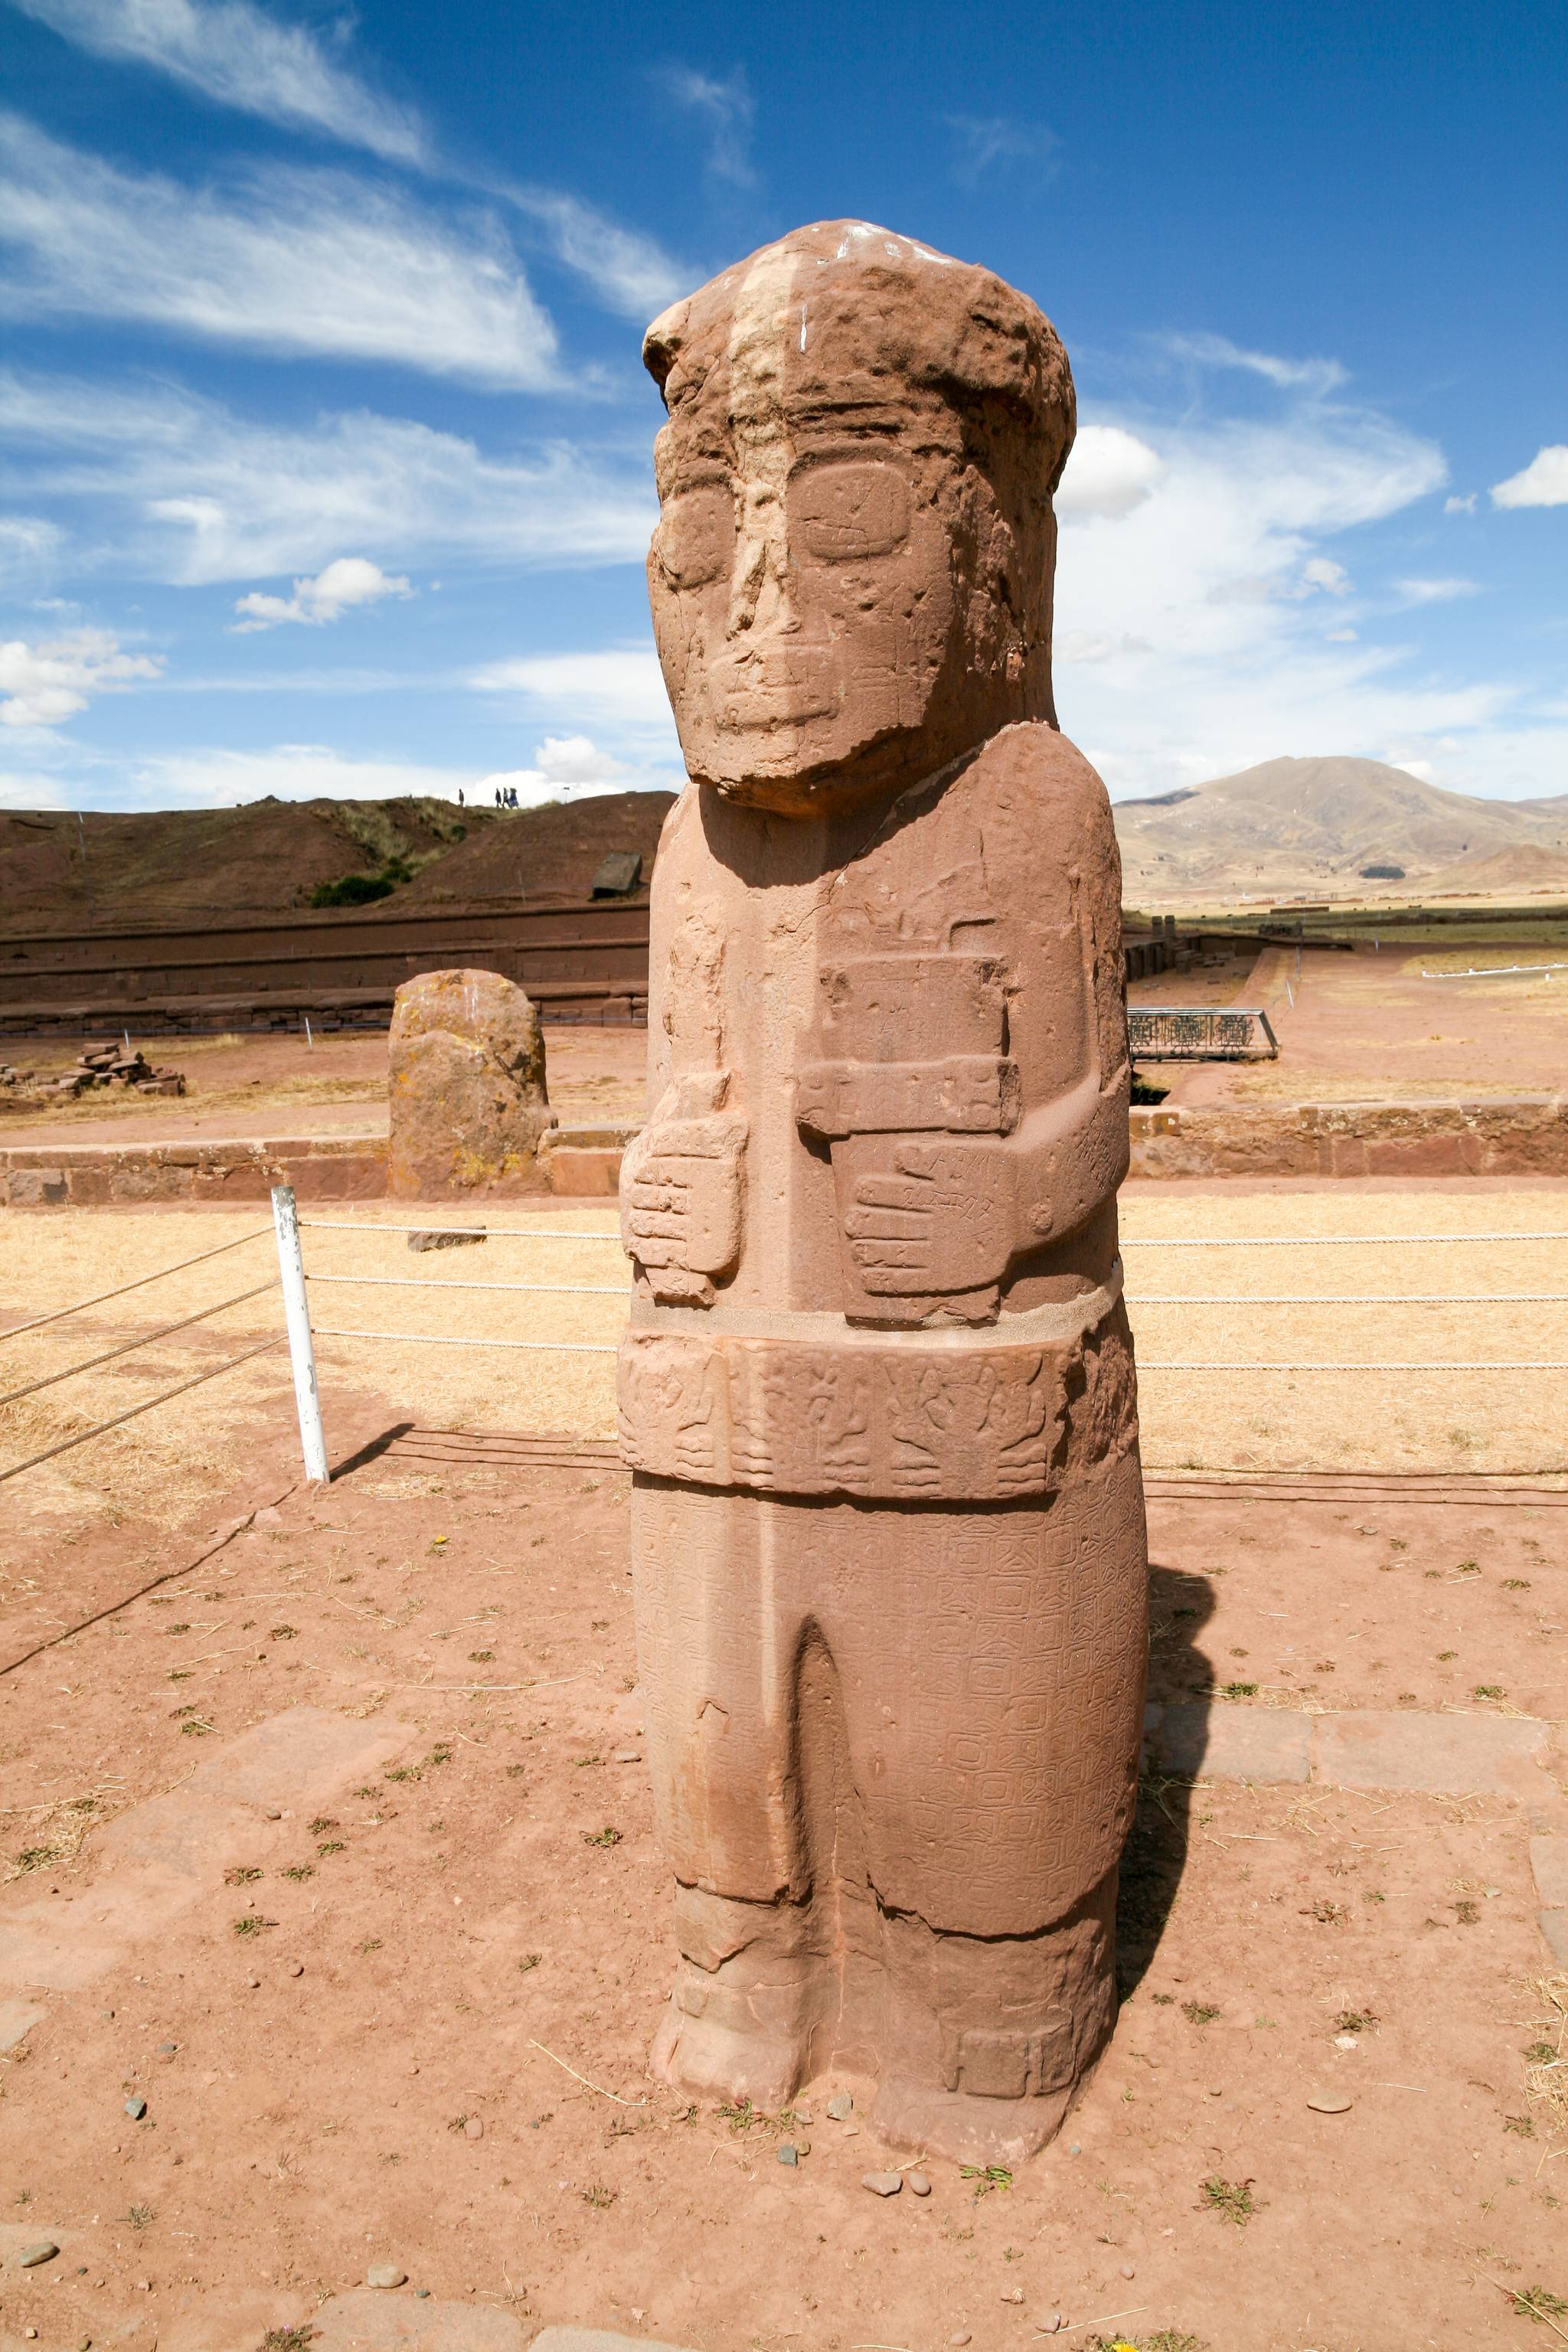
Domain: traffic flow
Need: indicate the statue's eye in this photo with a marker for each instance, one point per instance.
(842, 512)
(696, 536)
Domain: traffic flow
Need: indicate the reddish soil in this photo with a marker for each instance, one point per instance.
(242, 1086)
(482, 1908)
(1367, 1025)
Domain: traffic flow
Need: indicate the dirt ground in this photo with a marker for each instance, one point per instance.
(336, 1849)
(274, 1086)
(1372, 1025)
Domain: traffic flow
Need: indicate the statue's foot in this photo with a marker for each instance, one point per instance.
(720, 2060)
(967, 2129)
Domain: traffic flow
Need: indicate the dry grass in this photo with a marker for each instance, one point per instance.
(165, 1463)
(1301, 1418)
(1546, 2058)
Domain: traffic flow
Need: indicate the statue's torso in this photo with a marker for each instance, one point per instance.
(888, 1092)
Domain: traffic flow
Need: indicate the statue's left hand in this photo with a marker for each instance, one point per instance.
(938, 1221)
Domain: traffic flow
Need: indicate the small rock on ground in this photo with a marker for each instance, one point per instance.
(385, 2274)
(30, 2257)
(918, 2184)
(840, 2109)
(882, 2184)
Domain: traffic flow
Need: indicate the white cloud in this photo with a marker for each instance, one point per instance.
(181, 489)
(1321, 572)
(571, 768)
(1542, 483)
(240, 56)
(1191, 638)
(631, 273)
(624, 686)
(28, 546)
(349, 579)
(1435, 592)
(1455, 505)
(1110, 472)
(726, 107)
(53, 680)
(34, 788)
(289, 261)
(290, 771)
(1315, 377)
(985, 142)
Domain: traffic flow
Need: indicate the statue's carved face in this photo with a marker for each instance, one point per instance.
(802, 601)
(851, 576)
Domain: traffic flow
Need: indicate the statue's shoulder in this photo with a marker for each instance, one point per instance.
(1041, 765)
(681, 844)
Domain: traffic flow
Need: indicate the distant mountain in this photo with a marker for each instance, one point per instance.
(1314, 827)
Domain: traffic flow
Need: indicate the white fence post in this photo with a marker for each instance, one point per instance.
(297, 1316)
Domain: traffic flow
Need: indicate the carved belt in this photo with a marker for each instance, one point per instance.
(806, 1405)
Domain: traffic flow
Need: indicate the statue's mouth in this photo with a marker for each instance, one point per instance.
(779, 685)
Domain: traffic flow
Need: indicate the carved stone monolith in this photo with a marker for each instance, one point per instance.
(466, 1093)
(877, 1390)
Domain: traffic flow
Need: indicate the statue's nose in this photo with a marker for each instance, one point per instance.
(760, 600)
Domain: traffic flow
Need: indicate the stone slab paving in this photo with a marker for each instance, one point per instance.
(167, 1852)
(1442, 1755)
(371, 2319)
(18, 2017)
(595, 2340)
(1394, 1749)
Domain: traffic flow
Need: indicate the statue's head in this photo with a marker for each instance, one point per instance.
(851, 576)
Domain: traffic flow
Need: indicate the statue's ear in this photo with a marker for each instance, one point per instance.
(661, 346)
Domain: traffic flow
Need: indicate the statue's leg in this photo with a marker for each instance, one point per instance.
(715, 1655)
(994, 1689)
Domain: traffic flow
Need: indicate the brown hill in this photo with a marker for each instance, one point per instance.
(174, 866)
(169, 865)
(549, 853)
(1311, 827)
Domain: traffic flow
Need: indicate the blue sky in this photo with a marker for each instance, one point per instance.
(324, 441)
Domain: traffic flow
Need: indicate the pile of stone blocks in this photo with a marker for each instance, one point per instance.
(113, 1065)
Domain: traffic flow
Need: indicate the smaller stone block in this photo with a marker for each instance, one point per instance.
(1554, 1927)
(1445, 1755)
(466, 1088)
(1233, 1743)
(38, 1188)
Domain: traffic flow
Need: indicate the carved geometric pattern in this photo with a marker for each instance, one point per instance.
(976, 1421)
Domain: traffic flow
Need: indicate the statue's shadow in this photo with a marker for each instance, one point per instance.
(1181, 1695)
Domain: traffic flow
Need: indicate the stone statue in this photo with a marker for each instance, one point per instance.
(877, 1390)
(468, 1109)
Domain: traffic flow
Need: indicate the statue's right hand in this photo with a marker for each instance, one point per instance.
(680, 1202)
